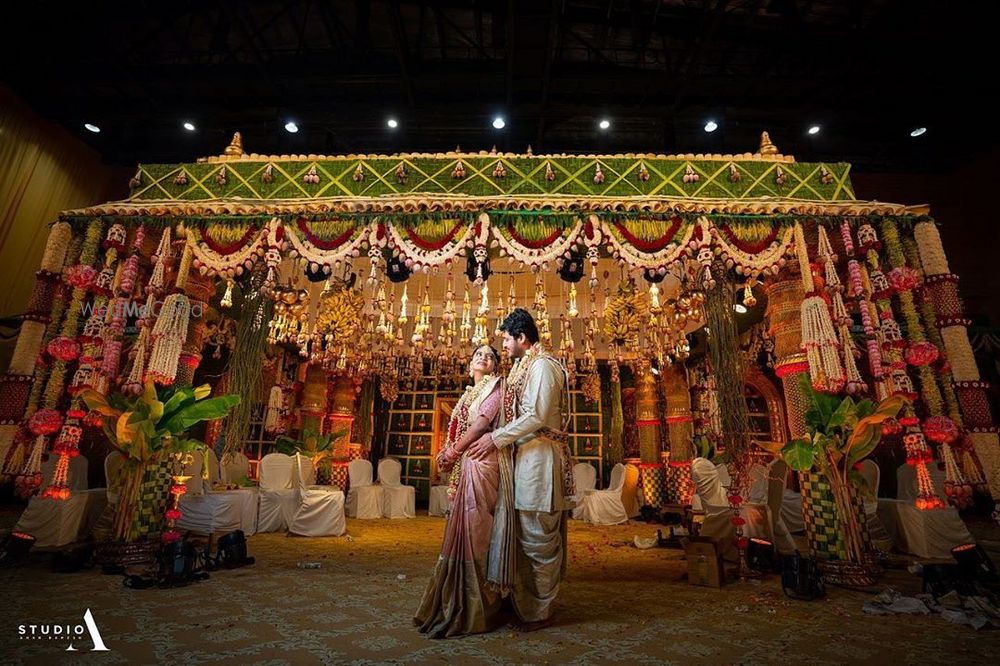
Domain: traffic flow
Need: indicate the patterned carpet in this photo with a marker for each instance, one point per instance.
(619, 605)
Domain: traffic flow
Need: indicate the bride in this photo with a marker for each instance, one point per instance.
(459, 600)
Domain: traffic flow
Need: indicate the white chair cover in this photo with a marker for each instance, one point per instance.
(207, 511)
(321, 509)
(585, 478)
(879, 535)
(717, 523)
(791, 511)
(777, 472)
(220, 511)
(77, 477)
(438, 504)
(56, 523)
(195, 484)
(606, 507)
(214, 469)
(279, 494)
(906, 482)
(758, 484)
(364, 500)
(398, 501)
(930, 534)
(234, 466)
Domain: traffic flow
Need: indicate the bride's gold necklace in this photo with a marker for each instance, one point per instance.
(473, 392)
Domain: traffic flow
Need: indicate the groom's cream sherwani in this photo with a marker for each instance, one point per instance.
(535, 392)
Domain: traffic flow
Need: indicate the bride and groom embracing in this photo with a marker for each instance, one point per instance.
(511, 476)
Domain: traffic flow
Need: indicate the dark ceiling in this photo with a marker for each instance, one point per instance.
(866, 72)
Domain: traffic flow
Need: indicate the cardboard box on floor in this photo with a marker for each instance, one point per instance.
(704, 562)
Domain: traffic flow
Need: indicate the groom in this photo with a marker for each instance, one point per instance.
(542, 471)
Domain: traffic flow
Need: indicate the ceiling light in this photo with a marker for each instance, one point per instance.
(814, 130)
(93, 128)
(499, 122)
(711, 126)
(392, 123)
(604, 124)
(291, 127)
(189, 127)
(920, 131)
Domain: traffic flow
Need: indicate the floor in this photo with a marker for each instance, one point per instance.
(619, 604)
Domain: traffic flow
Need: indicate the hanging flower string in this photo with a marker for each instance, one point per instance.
(819, 339)
(918, 453)
(81, 278)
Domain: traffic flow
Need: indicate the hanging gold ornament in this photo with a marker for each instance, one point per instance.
(404, 299)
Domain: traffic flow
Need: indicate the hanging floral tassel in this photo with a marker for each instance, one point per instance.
(820, 343)
(572, 311)
(168, 337)
(275, 407)
(227, 298)
(956, 488)
(819, 340)
(159, 262)
(403, 300)
(59, 488)
(465, 329)
(30, 478)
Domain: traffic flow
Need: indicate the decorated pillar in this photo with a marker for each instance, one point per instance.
(784, 314)
(314, 392)
(651, 470)
(680, 431)
(16, 383)
(341, 418)
(977, 418)
(785, 298)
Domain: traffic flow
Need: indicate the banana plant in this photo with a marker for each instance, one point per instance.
(314, 445)
(148, 428)
(151, 425)
(840, 433)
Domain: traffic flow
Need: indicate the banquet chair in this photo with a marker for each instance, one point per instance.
(929, 534)
(58, 522)
(279, 492)
(585, 479)
(606, 507)
(321, 508)
(234, 467)
(438, 503)
(718, 515)
(209, 511)
(398, 501)
(364, 499)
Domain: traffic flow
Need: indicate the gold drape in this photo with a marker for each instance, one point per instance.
(43, 170)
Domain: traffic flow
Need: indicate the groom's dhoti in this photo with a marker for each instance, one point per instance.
(540, 564)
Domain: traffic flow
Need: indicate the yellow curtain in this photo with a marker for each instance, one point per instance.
(43, 170)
